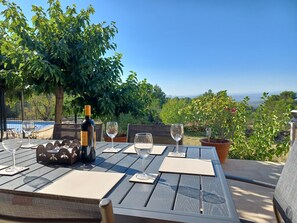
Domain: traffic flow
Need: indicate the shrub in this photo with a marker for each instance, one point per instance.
(228, 119)
(262, 143)
(171, 110)
(220, 112)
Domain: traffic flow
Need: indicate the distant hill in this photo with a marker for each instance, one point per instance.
(255, 98)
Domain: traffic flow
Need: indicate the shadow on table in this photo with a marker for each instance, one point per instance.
(195, 193)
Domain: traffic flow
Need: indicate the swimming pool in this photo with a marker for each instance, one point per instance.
(17, 124)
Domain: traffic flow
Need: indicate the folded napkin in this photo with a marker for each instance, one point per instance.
(157, 150)
(187, 166)
(84, 184)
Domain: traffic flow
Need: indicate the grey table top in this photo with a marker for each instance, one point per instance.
(172, 197)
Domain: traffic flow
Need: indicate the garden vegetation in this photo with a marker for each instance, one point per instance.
(59, 63)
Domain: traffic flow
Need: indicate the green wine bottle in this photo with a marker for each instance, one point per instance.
(88, 138)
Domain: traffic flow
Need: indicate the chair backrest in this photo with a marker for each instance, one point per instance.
(285, 195)
(161, 133)
(22, 206)
(72, 131)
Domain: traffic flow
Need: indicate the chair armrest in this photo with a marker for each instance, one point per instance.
(250, 181)
(106, 211)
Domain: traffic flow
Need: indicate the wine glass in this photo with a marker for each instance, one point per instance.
(177, 132)
(208, 133)
(28, 128)
(12, 144)
(112, 131)
(143, 144)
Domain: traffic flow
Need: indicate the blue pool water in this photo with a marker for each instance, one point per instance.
(16, 124)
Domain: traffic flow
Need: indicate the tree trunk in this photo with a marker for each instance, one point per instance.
(75, 117)
(22, 109)
(59, 104)
(22, 105)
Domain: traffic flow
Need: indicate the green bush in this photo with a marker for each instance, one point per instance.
(220, 112)
(171, 110)
(125, 119)
(257, 139)
(263, 143)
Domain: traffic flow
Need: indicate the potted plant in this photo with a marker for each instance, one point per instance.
(221, 116)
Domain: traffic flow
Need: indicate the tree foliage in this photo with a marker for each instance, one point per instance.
(220, 112)
(39, 106)
(266, 141)
(172, 110)
(264, 137)
(61, 52)
(138, 99)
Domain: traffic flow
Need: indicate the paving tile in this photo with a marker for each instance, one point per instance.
(253, 203)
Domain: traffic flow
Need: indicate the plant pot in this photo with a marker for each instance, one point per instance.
(120, 138)
(222, 147)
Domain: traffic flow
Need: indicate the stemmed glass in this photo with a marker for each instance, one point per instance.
(208, 133)
(28, 128)
(12, 144)
(177, 132)
(143, 144)
(112, 131)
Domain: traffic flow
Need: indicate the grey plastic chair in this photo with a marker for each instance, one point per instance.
(285, 193)
(72, 131)
(161, 133)
(22, 206)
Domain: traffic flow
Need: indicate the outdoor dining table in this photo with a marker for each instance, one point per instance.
(173, 197)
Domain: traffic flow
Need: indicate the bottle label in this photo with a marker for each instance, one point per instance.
(95, 139)
(84, 138)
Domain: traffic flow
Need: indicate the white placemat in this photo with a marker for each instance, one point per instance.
(11, 173)
(2, 167)
(150, 180)
(175, 154)
(157, 150)
(84, 184)
(112, 150)
(32, 146)
(187, 166)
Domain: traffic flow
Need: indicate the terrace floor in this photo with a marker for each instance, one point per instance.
(253, 203)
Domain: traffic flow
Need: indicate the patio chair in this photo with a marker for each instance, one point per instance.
(22, 206)
(285, 193)
(161, 133)
(72, 131)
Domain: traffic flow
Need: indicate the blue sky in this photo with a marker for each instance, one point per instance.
(189, 46)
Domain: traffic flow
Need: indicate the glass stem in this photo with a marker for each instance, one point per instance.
(177, 149)
(112, 143)
(13, 158)
(142, 166)
(29, 138)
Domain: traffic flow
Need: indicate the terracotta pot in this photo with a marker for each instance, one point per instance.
(121, 138)
(222, 147)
